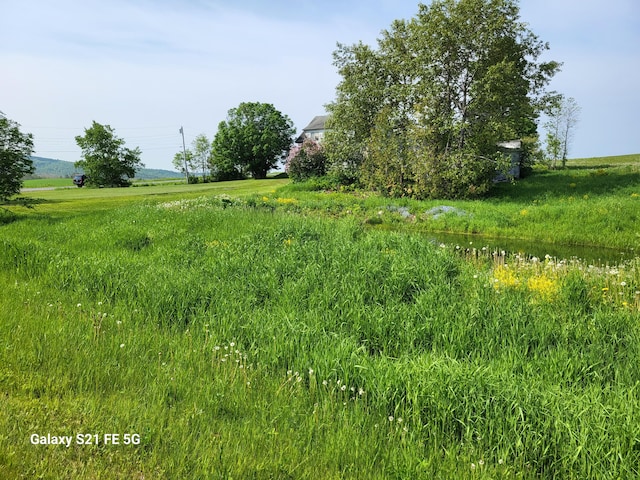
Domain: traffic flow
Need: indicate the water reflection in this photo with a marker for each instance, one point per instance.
(591, 255)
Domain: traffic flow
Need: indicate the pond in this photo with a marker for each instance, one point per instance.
(590, 255)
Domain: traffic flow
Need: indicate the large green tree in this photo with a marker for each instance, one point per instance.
(105, 159)
(430, 104)
(15, 157)
(253, 139)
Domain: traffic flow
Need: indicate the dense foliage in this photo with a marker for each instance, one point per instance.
(253, 139)
(105, 159)
(306, 161)
(15, 157)
(422, 114)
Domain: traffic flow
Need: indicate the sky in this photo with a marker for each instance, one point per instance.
(149, 67)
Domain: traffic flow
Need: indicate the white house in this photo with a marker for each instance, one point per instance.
(315, 130)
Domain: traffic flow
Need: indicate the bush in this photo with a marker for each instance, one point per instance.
(306, 161)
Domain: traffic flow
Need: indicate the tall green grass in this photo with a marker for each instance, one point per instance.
(243, 339)
(594, 203)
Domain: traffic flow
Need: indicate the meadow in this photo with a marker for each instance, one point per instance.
(266, 330)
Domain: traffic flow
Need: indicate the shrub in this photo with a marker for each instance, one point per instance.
(306, 161)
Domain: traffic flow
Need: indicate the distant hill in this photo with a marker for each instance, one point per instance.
(51, 168)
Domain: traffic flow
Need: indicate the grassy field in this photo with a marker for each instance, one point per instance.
(256, 330)
(68, 182)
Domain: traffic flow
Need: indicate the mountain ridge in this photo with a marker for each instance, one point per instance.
(53, 168)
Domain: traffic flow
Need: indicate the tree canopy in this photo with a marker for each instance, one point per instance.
(105, 159)
(15, 157)
(422, 114)
(253, 139)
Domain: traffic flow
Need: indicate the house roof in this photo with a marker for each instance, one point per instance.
(317, 123)
(511, 145)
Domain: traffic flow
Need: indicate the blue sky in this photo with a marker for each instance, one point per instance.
(148, 67)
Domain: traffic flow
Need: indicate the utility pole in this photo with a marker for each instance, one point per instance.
(184, 152)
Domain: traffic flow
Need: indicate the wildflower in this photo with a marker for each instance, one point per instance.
(391, 418)
(122, 345)
(119, 322)
(500, 461)
(360, 391)
(325, 383)
(79, 305)
(481, 462)
(343, 388)
(605, 289)
(473, 466)
(623, 284)
(311, 371)
(232, 344)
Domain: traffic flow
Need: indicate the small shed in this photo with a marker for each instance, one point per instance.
(513, 148)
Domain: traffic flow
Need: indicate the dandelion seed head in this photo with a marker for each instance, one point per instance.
(122, 345)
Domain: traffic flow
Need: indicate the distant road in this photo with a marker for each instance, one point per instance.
(43, 188)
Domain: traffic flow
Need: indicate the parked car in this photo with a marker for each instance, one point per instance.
(79, 179)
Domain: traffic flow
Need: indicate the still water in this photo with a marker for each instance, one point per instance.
(591, 255)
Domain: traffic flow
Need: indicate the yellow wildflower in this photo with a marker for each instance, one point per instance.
(543, 286)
